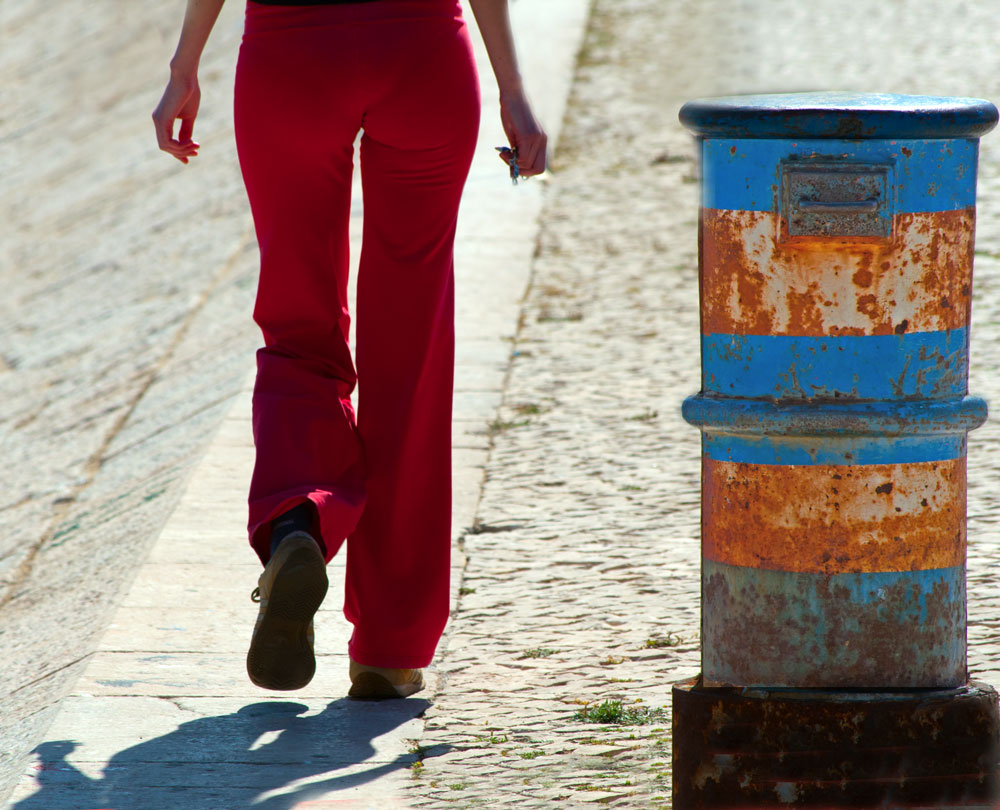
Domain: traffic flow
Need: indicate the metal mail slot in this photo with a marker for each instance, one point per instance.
(836, 200)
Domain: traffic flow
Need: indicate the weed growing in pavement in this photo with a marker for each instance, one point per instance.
(528, 409)
(645, 416)
(630, 488)
(671, 640)
(498, 426)
(419, 751)
(466, 591)
(530, 754)
(614, 712)
(536, 652)
(605, 786)
(612, 660)
(492, 739)
(593, 741)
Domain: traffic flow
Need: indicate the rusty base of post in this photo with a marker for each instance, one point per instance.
(756, 748)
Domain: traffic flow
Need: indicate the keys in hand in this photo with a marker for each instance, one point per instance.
(510, 155)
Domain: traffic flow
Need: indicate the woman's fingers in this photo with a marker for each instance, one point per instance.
(182, 151)
(187, 128)
(179, 102)
(525, 134)
(531, 155)
(181, 148)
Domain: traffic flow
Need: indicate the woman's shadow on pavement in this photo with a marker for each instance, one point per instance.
(249, 758)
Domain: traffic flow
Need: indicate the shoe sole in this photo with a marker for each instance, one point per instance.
(372, 686)
(280, 656)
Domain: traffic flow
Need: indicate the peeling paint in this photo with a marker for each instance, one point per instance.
(752, 284)
(835, 519)
(903, 629)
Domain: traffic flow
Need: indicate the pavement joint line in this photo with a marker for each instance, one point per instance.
(207, 406)
(52, 672)
(100, 455)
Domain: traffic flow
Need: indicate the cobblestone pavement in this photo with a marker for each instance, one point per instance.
(582, 584)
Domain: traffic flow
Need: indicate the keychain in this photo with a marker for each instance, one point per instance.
(510, 155)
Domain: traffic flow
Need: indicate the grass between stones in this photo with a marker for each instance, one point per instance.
(670, 640)
(536, 652)
(617, 713)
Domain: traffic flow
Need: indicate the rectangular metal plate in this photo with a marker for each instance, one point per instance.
(834, 199)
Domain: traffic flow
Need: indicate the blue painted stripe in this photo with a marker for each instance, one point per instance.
(937, 175)
(779, 628)
(812, 450)
(922, 365)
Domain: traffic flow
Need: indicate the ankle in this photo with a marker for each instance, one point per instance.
(300, 519)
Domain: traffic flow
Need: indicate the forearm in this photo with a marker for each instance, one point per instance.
(494, 24)
(199, 18)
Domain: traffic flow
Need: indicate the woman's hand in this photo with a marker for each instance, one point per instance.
(180, 101)
(182, 96)
(524, 134)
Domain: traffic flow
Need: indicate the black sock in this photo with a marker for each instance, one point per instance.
(297, 519)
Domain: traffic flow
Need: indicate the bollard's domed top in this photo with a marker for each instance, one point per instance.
(839, 116)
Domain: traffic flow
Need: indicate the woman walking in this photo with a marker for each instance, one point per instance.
(310, 76)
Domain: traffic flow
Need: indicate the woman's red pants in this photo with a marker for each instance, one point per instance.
(309, 79)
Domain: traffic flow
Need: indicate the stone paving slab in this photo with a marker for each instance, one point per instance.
(184, 630)
(159, 673)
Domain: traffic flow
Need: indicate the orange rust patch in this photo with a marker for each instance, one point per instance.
(834, 519)
(867, 304)
(752, 284)
(733, 276)
(804, 313)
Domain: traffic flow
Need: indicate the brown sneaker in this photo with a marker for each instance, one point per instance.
(377, 683)
(290, 591)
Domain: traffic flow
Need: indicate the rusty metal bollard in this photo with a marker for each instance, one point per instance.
(836, 247)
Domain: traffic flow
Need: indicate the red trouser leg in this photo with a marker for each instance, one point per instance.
(405, 74)
(297, 167)
(415, 156)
